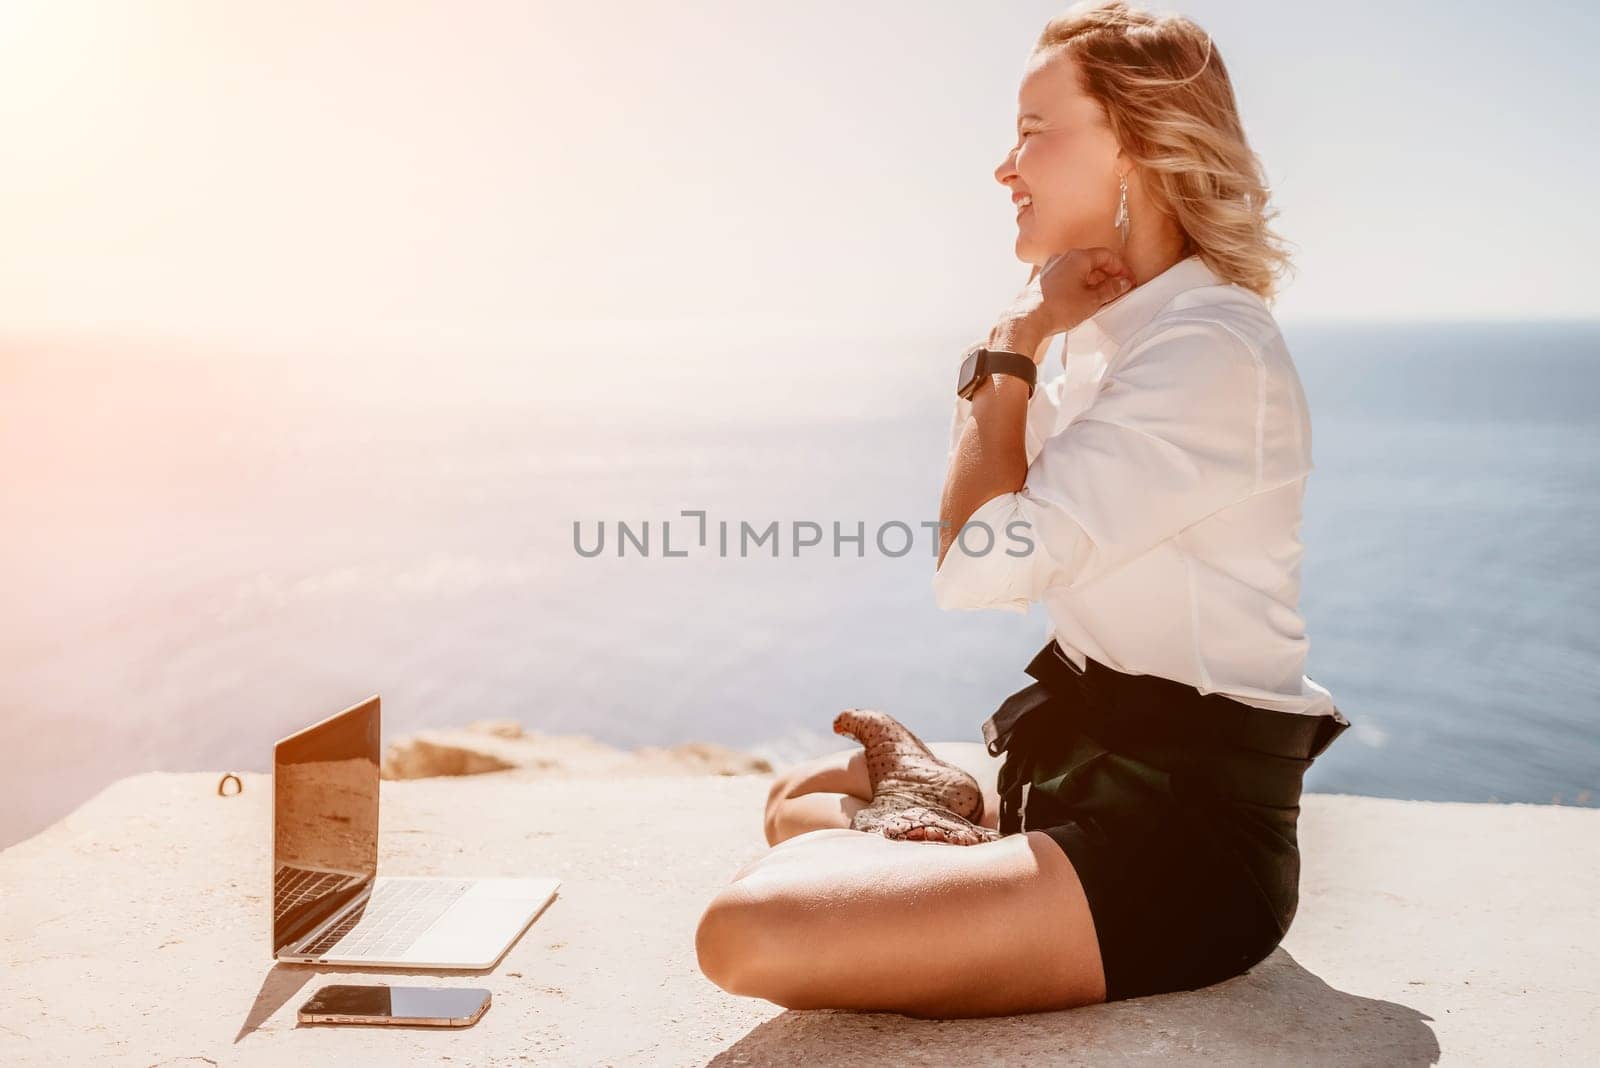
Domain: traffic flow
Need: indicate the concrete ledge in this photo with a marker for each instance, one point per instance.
(501, 745)
(134, 931)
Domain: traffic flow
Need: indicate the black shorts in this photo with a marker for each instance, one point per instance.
(1177, 809)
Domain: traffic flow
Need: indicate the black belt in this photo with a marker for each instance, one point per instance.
(1126, 712)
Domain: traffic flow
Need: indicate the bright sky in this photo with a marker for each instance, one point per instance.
(372, 169)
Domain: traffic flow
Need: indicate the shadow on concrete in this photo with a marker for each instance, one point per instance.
(281, 984)
(1277, 1013)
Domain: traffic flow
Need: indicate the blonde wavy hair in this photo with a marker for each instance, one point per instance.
(1171, 106)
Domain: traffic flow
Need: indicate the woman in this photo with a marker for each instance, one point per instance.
(1141, 834)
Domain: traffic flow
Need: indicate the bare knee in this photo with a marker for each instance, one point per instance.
(794, 816)
(757, 932)
(729, 942)
(819, 793)
(789, 817)
(715, 945)
(777, 794)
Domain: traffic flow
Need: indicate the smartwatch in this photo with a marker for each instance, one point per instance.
(981, 363)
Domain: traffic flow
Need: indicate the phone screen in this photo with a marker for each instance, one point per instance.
(398, 1003)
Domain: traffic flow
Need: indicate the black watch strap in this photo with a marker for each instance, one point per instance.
(981, 363)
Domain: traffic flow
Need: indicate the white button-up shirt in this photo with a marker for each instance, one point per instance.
(1166, 468)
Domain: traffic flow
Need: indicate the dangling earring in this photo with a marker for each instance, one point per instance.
(1121, 222)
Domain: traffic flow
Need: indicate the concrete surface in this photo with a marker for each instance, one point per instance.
(134, 932)
(501, 745)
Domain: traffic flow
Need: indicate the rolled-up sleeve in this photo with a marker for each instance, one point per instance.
(1174, 434)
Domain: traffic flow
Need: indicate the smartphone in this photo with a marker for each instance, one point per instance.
(410, 1006)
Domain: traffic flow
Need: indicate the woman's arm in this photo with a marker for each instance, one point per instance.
(1178, 431)
(990, 458)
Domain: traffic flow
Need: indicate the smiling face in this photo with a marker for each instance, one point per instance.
(1066, 159)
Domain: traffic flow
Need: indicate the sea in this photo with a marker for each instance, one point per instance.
(206, 546)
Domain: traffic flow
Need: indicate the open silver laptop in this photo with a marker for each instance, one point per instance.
(330, 905)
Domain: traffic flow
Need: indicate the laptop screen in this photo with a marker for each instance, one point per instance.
(324, 820)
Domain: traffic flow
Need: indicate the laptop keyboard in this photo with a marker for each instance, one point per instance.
(292, 887)
(392, 919)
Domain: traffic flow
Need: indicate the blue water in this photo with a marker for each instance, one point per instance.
(206, 550)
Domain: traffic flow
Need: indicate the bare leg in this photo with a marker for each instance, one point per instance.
(850, 920)
(829, 790)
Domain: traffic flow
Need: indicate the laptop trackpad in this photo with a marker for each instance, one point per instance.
(480, 926)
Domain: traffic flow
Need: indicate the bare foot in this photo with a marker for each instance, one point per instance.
(898, 763)
(896, 815)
